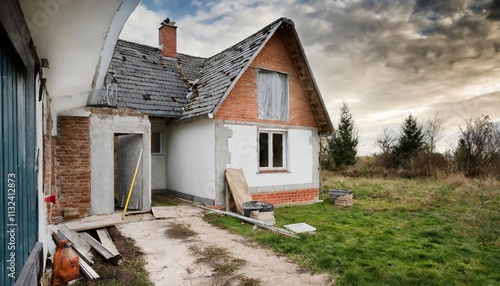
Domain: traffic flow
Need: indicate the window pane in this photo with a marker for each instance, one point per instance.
(272, 89)
(278, 150)
(155, 143)
(263, 149)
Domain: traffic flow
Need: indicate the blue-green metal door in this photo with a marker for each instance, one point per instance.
(18, 200)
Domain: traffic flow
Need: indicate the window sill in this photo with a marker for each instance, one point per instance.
(272, 171)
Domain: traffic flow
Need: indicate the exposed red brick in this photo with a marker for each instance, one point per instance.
(284, 197)
(67, 168)
(168, 41)
(241, 103)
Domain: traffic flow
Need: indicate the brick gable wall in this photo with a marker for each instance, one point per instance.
(241, 103)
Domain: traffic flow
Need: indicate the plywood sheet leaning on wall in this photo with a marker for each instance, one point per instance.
(238, 187)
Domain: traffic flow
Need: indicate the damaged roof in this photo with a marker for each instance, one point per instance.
(147, 82)
(193, 86)
(221, 71)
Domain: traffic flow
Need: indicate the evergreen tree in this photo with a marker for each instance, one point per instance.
(344, 140)
(410, 142)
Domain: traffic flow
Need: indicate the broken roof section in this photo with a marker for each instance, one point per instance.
(151, 84)
(147, 82)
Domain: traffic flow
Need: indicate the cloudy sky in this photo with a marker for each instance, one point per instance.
(385, 59)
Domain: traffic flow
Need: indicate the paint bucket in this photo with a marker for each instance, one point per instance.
(251, 206)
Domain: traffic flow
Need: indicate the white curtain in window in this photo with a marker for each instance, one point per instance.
(272, 95)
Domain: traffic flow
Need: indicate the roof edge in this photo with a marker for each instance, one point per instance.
(244, 69)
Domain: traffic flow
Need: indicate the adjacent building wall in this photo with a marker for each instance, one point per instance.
(191, 160)
(103, 127)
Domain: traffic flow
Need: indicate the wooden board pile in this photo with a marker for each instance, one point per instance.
(84, 244)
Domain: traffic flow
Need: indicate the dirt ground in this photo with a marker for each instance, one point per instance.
(186, 250)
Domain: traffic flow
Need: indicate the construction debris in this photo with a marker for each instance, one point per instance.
(113, 257)
(88, 271)
(300, 227)
(266, 218)
(254, 222)
(106, 240)
(80, 245)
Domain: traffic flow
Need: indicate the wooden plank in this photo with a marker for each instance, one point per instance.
(31, 271)
(238, 187)
(106, 241)
(115, 259)
(88, 271)
(81, 246)
(95, 221)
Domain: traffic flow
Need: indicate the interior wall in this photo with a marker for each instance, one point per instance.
(191, 159)
(102, 130)
(302, 155)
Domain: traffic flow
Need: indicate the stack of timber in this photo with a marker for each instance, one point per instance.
(83, 243)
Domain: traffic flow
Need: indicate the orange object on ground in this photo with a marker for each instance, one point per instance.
(66, 266)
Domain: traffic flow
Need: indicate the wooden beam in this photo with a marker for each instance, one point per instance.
(88, 271)
(115, 259)
(81, 246)
(106, 241)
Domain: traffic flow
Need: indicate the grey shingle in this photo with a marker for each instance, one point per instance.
(141, 72)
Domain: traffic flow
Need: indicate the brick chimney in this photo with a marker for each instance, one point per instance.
(168, 39)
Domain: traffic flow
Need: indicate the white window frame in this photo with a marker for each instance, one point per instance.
(287, 94)
(161, 142)
(270, 166)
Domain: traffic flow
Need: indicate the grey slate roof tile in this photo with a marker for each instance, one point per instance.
(140, 73)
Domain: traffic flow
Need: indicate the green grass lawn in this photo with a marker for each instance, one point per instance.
(398, 232)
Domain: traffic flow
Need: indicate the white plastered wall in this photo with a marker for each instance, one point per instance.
(301, 158)
(102, 130)
(190, 150)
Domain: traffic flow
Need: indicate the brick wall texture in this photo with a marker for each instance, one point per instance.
(67, 169)
(168, 41)
(241, 103)
(285, 197)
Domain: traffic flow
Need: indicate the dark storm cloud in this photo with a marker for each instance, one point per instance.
(413, 30)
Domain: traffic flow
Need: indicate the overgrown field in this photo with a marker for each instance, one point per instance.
(398, 232)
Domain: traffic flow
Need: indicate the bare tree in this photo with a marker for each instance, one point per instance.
(434, 131)
(478, 146)
(387, 141)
